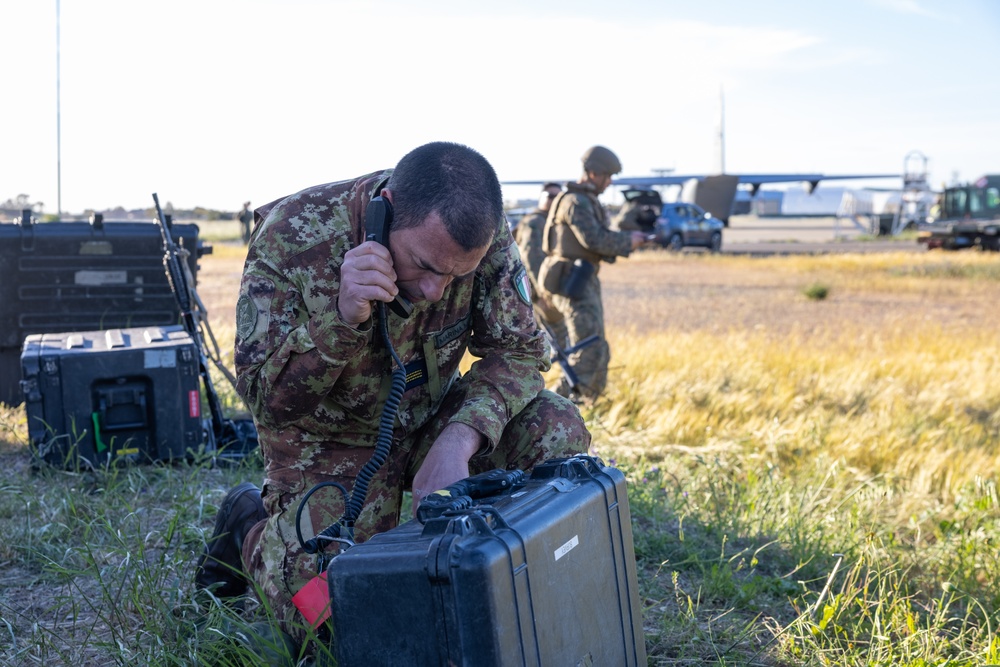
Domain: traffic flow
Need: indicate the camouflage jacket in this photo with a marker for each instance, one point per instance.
(577, 226)
(528, 235)
(311, 380)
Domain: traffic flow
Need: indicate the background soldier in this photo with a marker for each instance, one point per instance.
(528, 235)
(312, 364)
(577, 239)
(245, 216)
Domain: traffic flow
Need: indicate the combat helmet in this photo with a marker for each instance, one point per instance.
(601, 160)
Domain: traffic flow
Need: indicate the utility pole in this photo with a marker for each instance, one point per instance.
(58, 124)
(722, 131)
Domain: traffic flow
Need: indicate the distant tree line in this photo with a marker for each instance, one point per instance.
(196, 213)
(21, 202)
(12, 207)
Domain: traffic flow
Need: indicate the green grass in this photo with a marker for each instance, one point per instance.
(812, 499)
(816, 291)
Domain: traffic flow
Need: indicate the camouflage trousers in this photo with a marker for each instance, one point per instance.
(550, 426)
(584, 317)
(549, 316)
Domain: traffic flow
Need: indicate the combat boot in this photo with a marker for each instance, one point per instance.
(220, 568)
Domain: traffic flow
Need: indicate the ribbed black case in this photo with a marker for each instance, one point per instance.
(78, 276)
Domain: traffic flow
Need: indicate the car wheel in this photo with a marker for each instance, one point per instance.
(715, 243)
(675, 242)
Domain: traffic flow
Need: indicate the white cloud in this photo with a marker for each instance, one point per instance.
(908, 7)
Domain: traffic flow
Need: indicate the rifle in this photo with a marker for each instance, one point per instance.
(224, 431)
(561, 356)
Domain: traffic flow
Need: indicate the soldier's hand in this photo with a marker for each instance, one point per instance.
(638, 238)
(365, 276)
(447, 460)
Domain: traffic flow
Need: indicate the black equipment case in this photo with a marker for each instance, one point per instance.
(540, 570)
(80, 276)
(98, 396)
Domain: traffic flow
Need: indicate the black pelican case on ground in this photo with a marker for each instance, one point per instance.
(507, 570)
(80, 276)
(97, 396)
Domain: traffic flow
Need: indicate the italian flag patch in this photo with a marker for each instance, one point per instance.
(522, 286)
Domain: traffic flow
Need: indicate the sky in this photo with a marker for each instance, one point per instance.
(215, 102)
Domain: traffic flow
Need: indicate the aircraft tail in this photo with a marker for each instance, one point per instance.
(715, 194)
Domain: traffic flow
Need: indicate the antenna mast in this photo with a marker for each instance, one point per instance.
(58, 123)
(722, 131)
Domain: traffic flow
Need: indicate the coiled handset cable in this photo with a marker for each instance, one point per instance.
(385, 428)
(343, 530)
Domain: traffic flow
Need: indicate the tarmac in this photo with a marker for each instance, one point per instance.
(750, 235)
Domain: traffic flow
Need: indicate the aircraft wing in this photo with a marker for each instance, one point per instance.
(753, 180)
(756, 180)
(715, 193)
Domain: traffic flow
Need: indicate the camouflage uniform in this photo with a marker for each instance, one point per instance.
(316, 385)
(528, 235)
(577, 228)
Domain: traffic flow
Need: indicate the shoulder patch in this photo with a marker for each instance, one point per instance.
(521, 285)
(246, 316)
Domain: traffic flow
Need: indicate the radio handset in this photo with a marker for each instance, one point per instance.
(378, 215)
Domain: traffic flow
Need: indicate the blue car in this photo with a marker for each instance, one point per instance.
(680, 224)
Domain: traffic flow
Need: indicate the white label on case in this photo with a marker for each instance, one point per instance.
(159, 359)
(100, 277)
(566, 548)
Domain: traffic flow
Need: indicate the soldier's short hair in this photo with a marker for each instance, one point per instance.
(453, 181)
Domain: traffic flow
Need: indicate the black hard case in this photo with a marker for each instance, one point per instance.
(543, 574)
(96, 396)
(79, 276)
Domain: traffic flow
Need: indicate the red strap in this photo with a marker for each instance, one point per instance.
(314, 600)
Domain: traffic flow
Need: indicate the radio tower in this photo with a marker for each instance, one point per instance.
(913, 198)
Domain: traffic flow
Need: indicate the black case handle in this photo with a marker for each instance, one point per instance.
(459, 496)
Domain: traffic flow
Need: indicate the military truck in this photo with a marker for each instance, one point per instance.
(969, 217)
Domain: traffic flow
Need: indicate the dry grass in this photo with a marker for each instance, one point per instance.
(766, 432)
(906, 405)
(762, 431)
(660, 292)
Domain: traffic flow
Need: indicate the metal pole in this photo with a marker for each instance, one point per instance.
(58, 123)
(722, 131)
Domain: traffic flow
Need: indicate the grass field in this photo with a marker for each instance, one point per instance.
(812, 478)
